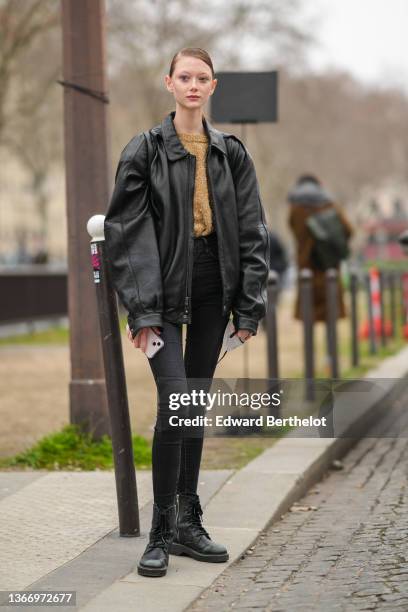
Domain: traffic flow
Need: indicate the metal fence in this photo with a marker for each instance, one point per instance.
(383, 321)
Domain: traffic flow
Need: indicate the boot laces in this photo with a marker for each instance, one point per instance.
(197, 513)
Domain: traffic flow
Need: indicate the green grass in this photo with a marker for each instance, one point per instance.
(54, 335)
(368, 361)
(399, 265)
(246, 452)
(71, 449)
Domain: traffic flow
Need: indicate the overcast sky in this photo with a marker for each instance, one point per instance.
(367, 37)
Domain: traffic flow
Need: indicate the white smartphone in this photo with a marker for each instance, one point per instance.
(154, 343)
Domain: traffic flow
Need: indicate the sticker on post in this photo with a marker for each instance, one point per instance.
(96, 263)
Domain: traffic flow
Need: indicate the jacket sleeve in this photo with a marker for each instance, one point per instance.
(130, 240)
(250, 302)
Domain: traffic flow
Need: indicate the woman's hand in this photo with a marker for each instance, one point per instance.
(244, 334)
(140, 340)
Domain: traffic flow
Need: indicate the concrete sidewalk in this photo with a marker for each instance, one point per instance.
(58, 530)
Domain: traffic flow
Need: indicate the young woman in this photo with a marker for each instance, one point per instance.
(187, 243)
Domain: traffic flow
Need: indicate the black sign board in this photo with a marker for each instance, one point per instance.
(245, 97)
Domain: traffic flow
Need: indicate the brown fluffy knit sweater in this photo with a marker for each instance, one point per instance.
(197, 145)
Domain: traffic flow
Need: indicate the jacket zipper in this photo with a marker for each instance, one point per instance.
(189, 205)
(217, 226)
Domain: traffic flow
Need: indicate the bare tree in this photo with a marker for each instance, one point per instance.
(352, 136)
(143, 37)
(21, 23)
(30, 108)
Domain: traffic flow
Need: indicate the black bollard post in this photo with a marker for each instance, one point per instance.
(355, 357)
(331, 320)
(402, 299)
(125, 475)
(272, 336)
(404, 304)
(272, 326)
(383, 284)
(370, 317)
(306, 309)
(393, 303)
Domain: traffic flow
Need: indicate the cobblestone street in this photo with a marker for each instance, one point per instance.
(343, 547)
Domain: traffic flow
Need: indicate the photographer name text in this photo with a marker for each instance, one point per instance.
(259, 421)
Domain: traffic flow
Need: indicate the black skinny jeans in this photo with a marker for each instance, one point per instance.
(175, 457)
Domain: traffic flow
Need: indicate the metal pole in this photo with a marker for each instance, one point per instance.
(393, 303)
(331, 320)
(272, 337)
(245, 347)
(402, 299)
(306, 309)
(271, 325)
(87, 188)
(371, 330)
(354, 319)
(382, 283)
(125, 475)
(404, 303)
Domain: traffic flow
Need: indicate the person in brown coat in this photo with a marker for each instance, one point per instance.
(307, 197)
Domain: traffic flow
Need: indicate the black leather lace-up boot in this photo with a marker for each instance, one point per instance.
(191, 538)
(155, 558)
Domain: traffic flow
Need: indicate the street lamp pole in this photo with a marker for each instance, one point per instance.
(87, 191)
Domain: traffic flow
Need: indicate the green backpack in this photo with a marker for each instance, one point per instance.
(331, 240)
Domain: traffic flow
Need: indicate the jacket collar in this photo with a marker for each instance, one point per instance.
(174, 147)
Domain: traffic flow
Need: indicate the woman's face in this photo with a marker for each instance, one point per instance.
(191, 83)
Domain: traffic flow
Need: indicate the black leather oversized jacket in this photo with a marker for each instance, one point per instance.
(149, 228)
